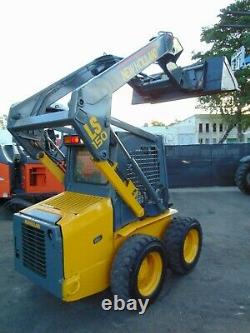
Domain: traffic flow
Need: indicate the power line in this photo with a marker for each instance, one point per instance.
(238, 13)
(237, 26)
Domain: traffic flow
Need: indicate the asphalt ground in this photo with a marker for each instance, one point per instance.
(214, 297)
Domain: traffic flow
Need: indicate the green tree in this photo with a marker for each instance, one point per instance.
(225, 37)
(157, 123)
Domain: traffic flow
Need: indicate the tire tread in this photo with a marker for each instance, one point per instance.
(173, 240)
(240, 177)
(123, 264)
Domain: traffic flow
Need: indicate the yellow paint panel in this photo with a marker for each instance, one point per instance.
(52, 167)
(87, 231)
(154, 226)
(127, 191)
(72, 202)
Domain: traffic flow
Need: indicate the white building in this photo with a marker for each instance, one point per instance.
(5, 136)
(240, 59)
(199, 128)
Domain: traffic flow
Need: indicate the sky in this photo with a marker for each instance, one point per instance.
(43, 41)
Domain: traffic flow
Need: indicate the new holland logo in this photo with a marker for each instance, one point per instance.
(32, 224)
(139, 64)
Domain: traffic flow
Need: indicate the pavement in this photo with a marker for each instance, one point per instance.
(214, 297)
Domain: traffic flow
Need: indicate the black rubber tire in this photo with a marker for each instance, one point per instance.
(127, 263)
(174, 239)
(241, 175)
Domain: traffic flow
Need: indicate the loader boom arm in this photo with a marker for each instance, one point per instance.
(89, 109)
(90, 104)
(92, 87)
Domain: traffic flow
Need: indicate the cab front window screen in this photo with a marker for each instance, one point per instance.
(85, 170)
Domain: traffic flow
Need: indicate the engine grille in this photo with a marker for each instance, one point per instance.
(33, 246)
(147, 159)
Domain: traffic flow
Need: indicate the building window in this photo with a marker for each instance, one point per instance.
(232, 140)
(200, 128)
(207, 128)
(207, 140)
(214, 127)
(214, 140)
(200, 141)
(221, 127)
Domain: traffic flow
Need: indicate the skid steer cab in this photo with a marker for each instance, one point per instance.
(113, 225)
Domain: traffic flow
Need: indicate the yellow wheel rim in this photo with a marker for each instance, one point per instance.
(150, 273)
(191, 246)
